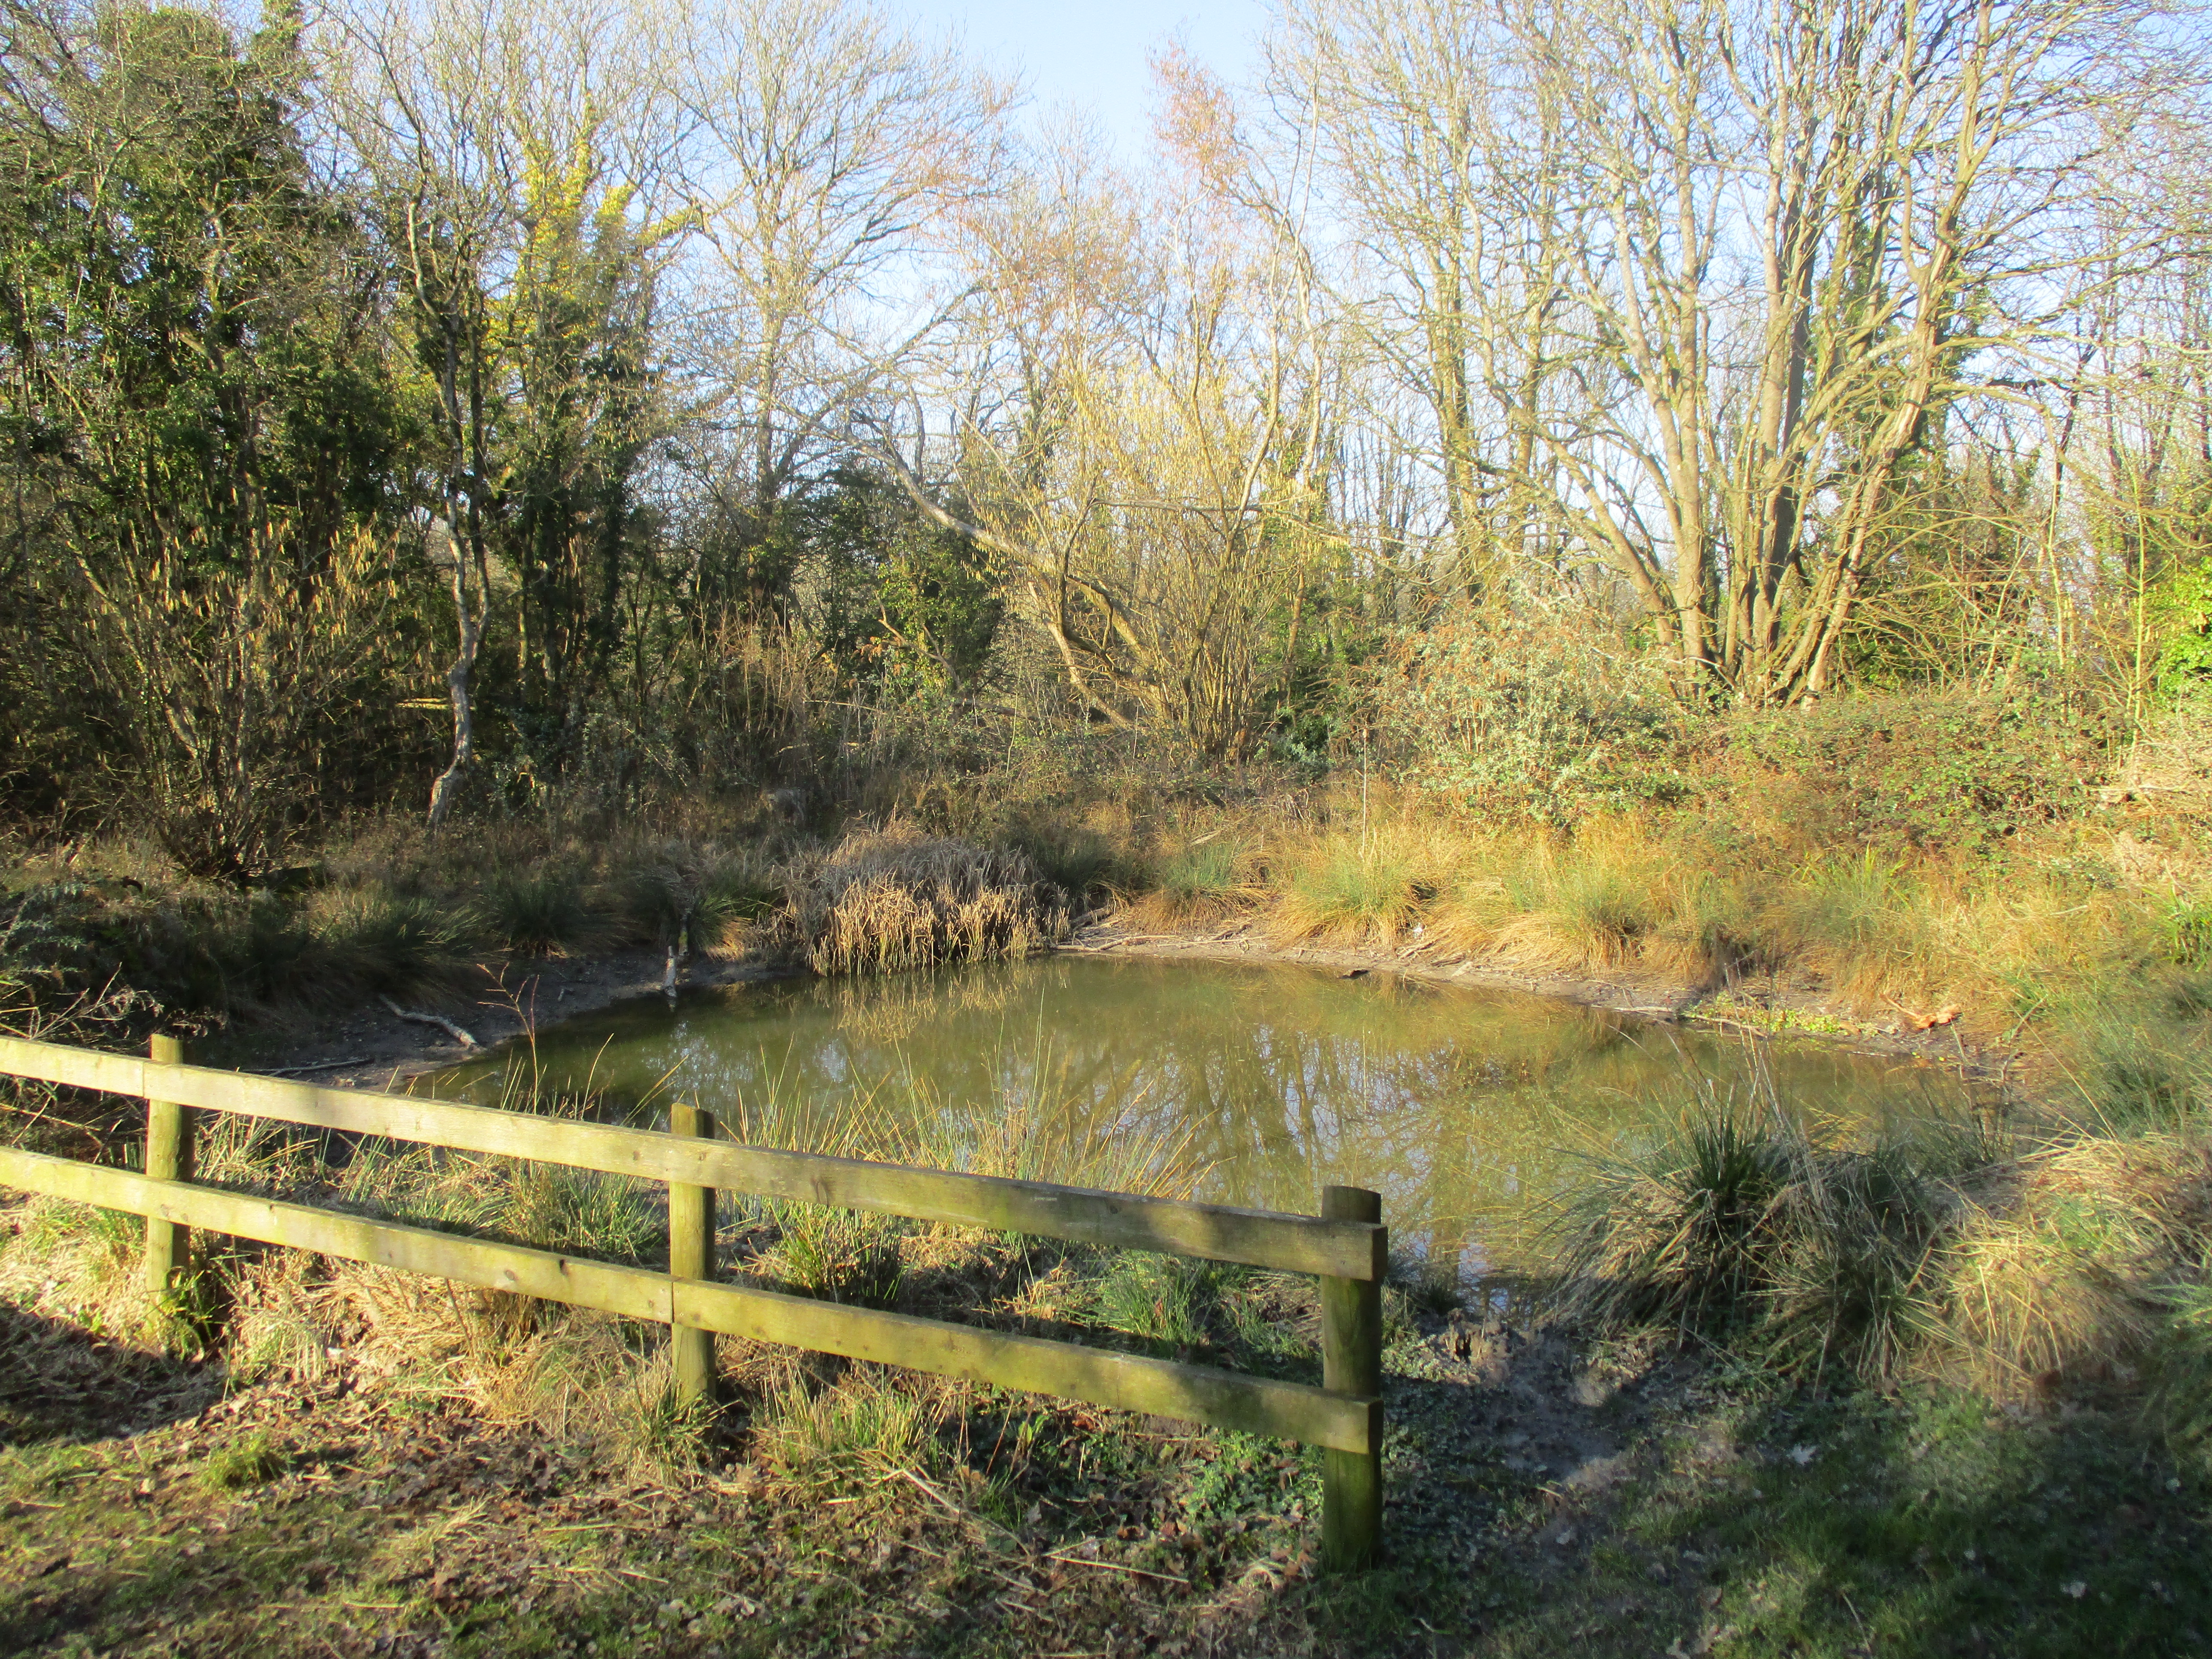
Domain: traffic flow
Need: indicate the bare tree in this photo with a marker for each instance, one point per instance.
(825, 152)
(1407, 112)
(1747, 256)
(1146, 438)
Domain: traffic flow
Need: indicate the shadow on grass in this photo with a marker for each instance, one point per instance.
(1928, 1524)
(57, 1382)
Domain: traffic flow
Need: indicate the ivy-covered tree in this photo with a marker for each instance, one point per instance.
(203, 440)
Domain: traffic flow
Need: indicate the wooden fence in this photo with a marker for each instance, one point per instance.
(1346, 1245)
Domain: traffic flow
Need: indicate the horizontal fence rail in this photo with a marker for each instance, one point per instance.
(1257, 1239)
(1347, 1249)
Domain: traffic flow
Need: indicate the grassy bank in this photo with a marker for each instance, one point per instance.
(1998, 870)
(1759, 1412)
(399, 1492)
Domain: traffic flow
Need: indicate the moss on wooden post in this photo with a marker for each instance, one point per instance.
(692, 1255)
(168, 1158)
(1351, 1363)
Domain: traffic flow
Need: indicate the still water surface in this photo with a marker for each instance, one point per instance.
(1465, 1108)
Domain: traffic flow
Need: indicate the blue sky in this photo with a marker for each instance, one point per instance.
(1093, 55)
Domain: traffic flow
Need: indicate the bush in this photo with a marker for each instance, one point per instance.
(1519, 712)
(50, 936)
(1955, 770)
(1081, 863)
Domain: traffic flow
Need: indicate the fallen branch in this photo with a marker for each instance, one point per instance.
(445, 1026)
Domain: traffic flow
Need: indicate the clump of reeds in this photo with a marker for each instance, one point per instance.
(1739, 1222)
(885, 899)
(1200, 880)
(1366, 889)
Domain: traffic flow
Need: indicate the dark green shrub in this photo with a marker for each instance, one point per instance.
(535, 914)
(1522, 711)
(53, 937)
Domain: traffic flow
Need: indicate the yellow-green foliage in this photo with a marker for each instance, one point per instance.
(858, 1430)
(1349, 889)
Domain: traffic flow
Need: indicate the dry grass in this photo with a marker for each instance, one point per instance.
(73, 1263)
(888, 899)
(2068, 1275)
(1372, 888)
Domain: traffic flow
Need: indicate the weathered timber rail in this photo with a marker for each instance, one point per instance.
(1347, 1247)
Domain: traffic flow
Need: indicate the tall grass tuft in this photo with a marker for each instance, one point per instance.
(1197, 882)
(700, 895)
(886, 900)
(2181, 1392)
(856, 1432)
(399, 942)
(1347, 890)
(1738, 1223)
(537, 913)
(2077, 1266)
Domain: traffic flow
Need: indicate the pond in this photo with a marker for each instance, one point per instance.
(1244, 1084)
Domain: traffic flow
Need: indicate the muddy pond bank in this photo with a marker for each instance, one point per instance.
(371, 1047)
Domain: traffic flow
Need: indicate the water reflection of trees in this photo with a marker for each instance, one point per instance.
(1456, 1105)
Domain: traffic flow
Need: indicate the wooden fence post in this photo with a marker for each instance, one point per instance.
(692, 1255)
(1351, 1363)
(168, 1158)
